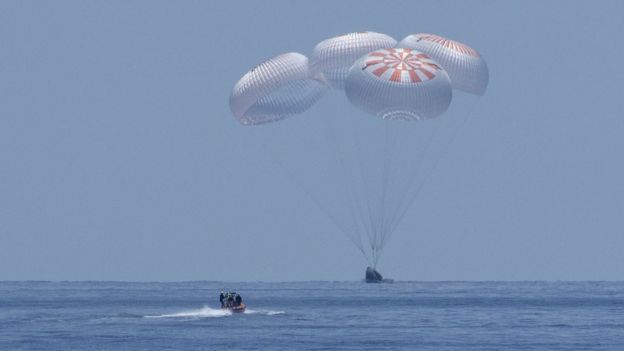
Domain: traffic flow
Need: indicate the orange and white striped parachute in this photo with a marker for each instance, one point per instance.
(399, 83)
(465, 66)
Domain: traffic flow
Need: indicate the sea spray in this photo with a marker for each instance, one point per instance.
(207, 312)
(204, 312)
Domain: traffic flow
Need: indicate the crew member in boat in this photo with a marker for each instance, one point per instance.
(230, 299)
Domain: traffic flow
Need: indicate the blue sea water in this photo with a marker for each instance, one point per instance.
(313, 316)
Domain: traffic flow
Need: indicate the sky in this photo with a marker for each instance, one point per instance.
(120, 159)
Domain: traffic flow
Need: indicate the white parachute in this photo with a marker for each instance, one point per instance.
(380, 163)
(466, 68)
(275, 89)
(334, 57)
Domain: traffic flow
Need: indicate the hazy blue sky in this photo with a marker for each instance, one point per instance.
(119, 158)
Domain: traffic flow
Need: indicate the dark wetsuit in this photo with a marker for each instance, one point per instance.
(239, 299)
(221, 298)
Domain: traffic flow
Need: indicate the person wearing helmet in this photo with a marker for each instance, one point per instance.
(230, 299)
(238, 299)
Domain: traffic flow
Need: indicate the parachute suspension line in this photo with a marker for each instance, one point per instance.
(389, 147)
(446, 145)
(416, 183)
(419, 160)
(316, 201)
(371, 226)
(348, 187)
(375, 255)
(384, 174)
(357, 204)
(375, 258)
(380, 190)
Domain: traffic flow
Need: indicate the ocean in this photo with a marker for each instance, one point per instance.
(313, 316)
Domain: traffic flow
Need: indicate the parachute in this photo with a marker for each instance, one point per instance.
(334, 57)
(466, 68)
(376, 165)
(399, 84)
(275, 89)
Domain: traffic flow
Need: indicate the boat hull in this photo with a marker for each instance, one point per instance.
(236, 309)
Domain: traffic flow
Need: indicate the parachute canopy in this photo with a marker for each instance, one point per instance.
(379, 166)
(466, 68)
(399, 84)
(334, 57)
(275, 89)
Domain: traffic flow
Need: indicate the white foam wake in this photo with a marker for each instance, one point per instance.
(204, 312)
(265, 312)
(207, 312)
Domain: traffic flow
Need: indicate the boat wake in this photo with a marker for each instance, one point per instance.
(265, 312)
(207, 312)
(204, 312)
